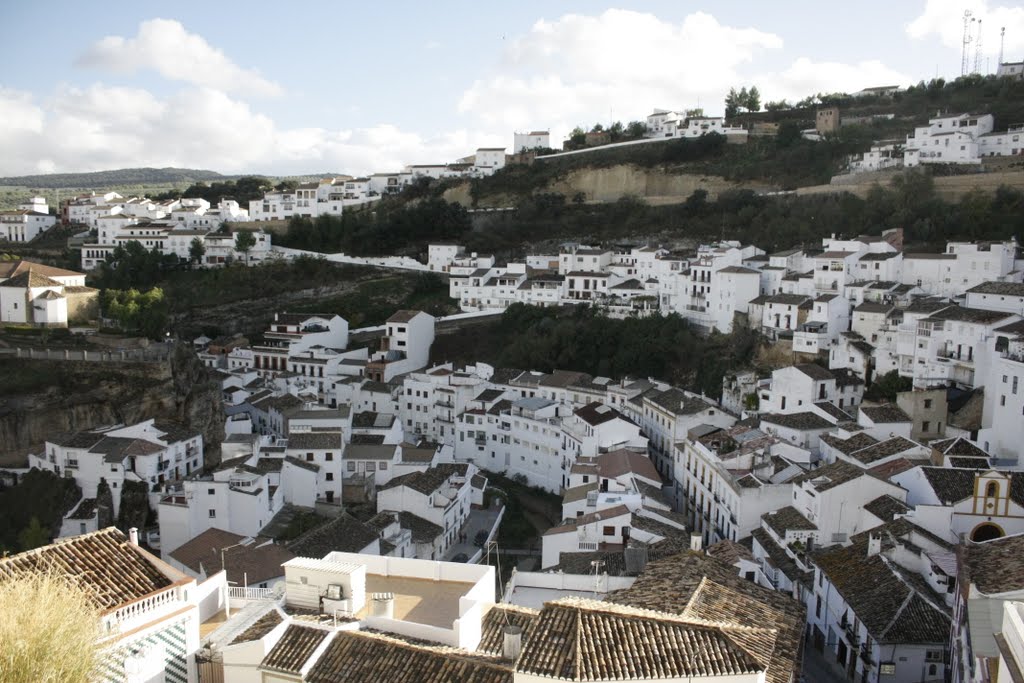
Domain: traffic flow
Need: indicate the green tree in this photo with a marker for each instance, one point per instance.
(753, 102)
(244, 242)
(636, 129)
(577, 138)
(33, 536)
(778, 105)
(695, 113)
(615, 131)
(196, 251)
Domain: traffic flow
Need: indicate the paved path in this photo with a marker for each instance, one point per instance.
(821, 668)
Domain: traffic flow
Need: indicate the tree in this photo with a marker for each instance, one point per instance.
(778, 105)
(577, 138)
(615, 131)
(753, 102)
(636, 129)
(244, 242)
(196, 250)
(733, 101)
(49, 630)
(33, 536)
(695, 113)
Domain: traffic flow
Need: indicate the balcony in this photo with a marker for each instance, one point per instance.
(143, 611)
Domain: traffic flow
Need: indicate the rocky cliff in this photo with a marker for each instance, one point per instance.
(49, 397)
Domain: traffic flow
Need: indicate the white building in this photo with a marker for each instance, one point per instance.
(947, 140)
(27, 221)
(148, 453)
(537, 139)
(405, 346)
(488, 160)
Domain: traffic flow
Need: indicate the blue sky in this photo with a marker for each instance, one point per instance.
(272, 88)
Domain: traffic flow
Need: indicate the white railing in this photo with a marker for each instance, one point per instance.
(585, 546)
(142, 611)
(239, 593)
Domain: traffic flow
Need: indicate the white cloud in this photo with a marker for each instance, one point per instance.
(105, 127)
(806, 77)
(944, 19)
(167, 47)
(577, 68)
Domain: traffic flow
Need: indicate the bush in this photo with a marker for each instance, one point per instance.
(49, 628)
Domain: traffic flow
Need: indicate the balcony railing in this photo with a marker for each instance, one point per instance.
(241, 593)
(141, 611)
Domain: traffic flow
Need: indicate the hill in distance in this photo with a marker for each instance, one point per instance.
(121, 176)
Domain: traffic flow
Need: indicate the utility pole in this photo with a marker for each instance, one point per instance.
(1002, 38)
(966, 43)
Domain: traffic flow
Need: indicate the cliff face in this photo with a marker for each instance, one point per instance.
(55, 396)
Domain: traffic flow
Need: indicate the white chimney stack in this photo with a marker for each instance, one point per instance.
(513, 642)
(696, 541)
(133, 535)
(382, 605)
(874, 544)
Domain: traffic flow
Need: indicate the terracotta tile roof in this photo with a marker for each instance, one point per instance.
(296, 645)
(884, 449)
(886, 507)
(314, 440)
(830, 476)
(255, 563)
(30, 278)
(9, 269)
(801, 421)
(885, 414)
(780, 559)
(678, 403)
(492, 639)
(344, 534)
(959, 446)
(359, 657)
(597, 413)
(104, 562)
(856, 442)
(950, 485)
(814, 371)
(729, 552)
(423, 530)
(261, 627)
(429, 480)
(702, 588)
(585, 640)
(994, 566)
(619, 462)
(892, 605)
(787, 519)
(403, 316)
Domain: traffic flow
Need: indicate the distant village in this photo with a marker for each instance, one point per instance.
(723, 540)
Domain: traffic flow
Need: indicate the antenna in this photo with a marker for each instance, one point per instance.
(977, 51)
(966, 42)
(1002, 37)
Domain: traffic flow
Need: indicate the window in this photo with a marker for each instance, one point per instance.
(927, 403)
(1002, 400)
(925, 426)
(351, 466)
(817, 608)
(210, 492)
(329, 457)
(212, 513)
(309, 457)
(330, 476)
(609, 531)
(991, 490)
(383, 466)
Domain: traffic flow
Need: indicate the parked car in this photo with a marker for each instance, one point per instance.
(480, 538)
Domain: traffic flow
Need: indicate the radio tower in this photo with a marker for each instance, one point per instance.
(977, 51)
(964, 55)
(1002, 37)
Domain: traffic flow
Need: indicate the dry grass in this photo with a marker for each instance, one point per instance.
(48, 631)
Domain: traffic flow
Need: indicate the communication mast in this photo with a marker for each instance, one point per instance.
(1002, 37)
(977, 51)
(964, 61)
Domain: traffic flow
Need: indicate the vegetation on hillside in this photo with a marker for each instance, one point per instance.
(121, 176)
(769, 222)
(39, 501)
(393, 228)
(581, 339)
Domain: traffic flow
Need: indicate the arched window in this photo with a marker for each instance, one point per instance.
(991, 490)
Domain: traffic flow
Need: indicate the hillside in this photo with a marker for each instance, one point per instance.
(121, 176)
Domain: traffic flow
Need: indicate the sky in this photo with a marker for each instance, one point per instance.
(280, 89)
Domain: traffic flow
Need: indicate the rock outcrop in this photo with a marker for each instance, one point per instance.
(74, 395)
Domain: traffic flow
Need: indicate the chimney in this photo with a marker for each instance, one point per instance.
(133, 535)
(513, 642)
(382, 605)
(696, 541)
(874, 544)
